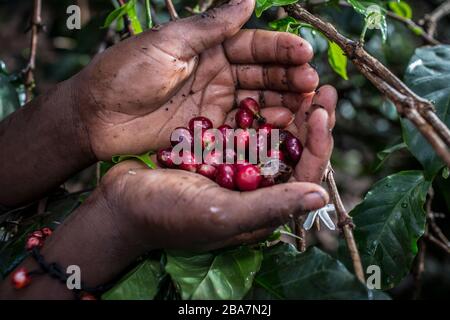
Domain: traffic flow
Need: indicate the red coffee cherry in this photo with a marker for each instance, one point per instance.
(250, 105)
(241, 138)
(244, 118)
(47, 232)
(37, 234)
(165, 158)
(207, 170)
(203, 122)
(20, 278)
(265, 128)
(87, 296)
(225, 176)
(293, 149)
(33, 242)
(276, 154)
(248, 177)
(188, 162)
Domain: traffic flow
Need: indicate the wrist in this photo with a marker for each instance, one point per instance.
(43, 144)
(93, 239)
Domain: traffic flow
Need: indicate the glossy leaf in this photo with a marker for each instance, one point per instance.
(428, 75)
(337, 59)
(9, 102)
(263, 5)
(142, 283)
(401, 8)
(227, 275)
(288, 274)
(144, 158)
(287, 24)
(129, 9)
(386, 153)
(389, 221)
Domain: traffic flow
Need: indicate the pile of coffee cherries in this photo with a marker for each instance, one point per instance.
(227, 165)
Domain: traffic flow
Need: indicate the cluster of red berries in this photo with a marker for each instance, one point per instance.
(37, 238)
(240, 174)
(21, 277)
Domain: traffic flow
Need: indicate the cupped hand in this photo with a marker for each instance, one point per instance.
(178, 209)
(135, 93)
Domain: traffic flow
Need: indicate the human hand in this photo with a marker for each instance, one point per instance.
(134, 94)
(178, 209)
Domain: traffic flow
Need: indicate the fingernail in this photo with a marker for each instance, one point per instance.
(315, 200)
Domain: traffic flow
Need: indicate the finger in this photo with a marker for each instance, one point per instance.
(190, 36)
(261, 46)
(317, 147)
(326, 96)
(279, 117)
(272, 207)
(299, 79)
(315, 120)
(268, 98)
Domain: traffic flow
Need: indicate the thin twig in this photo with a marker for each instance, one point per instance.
(431, 20)
(431, 220)
(417, 29)
(345, 223)
(409, 104)
(419, 268)
(36, 24)
(301, 234)
(438, 242)
(172, 11)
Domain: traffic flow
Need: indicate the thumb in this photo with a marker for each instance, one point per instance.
(189, 37)
(274, 206)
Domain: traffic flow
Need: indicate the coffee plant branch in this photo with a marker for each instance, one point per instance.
(36, 25)
(345, 223)
(418, 110)
(417, 29)
(172, 11)
(431, 20)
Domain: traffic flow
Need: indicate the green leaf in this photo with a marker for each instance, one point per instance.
(287, 24)
(428, 75)
(389, 221)
(263, 5)
(401, 8)
(9, 101)
(288, 274)
(129, 9)
(142, 283)
(115, 14)
(135, 24)
(446, 173)
(145, 158)
(358, 6)
(385, 154)
(337, 59)
(227, 275)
